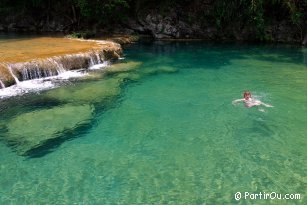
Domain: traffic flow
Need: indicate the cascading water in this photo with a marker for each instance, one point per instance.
(98, 58)
(59, 66)
(13, 75)
(91, 61)
(36, 73)
(2, 84)
(34, 70)
(53, 66)
(94, 59)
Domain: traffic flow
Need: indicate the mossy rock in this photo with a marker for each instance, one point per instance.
(32, 130)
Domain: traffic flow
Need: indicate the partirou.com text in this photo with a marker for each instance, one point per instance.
(266, 196)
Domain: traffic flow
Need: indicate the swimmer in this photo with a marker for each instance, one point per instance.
(249, 101)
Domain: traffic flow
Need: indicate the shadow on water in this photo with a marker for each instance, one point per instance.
(50, 145)
(26, 103)
(195, 54)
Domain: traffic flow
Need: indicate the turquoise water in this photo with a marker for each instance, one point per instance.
(165, 132)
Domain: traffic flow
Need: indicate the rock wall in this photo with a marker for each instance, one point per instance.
(28, 24)
(173, 26)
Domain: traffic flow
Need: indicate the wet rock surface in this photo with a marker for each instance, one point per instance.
(175, 24)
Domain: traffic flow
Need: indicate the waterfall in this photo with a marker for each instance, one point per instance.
(13, 75)
(98, 58)
(39, 69)
(2, 84)
(92, 61)
(59, 66)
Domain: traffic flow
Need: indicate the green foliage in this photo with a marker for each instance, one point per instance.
(101, 10)
(82, 34)
(259, 12)
(296, 14)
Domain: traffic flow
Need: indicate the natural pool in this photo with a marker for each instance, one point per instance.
(164, 132)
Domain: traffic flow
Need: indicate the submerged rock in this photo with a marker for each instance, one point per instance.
(123, 67)
(34, 129)
(128, 76)
(97, 88)
(159, 70)
(87, 92)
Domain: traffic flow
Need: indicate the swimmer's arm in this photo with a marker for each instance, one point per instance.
(266, 105)
(236, 101)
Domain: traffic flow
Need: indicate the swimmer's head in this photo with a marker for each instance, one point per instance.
(247, 95)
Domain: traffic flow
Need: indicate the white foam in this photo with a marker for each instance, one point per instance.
(36, 85)
(14, 76)
(2, 84)
(70, 74)
(100, 66)
(26, 87)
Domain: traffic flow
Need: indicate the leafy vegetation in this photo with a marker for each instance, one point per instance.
(219, 13)
(260, 12)
(82, 34)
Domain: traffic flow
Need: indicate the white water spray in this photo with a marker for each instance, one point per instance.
(60, 67)
(98, 58)
(2, 84)
(13, 75)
